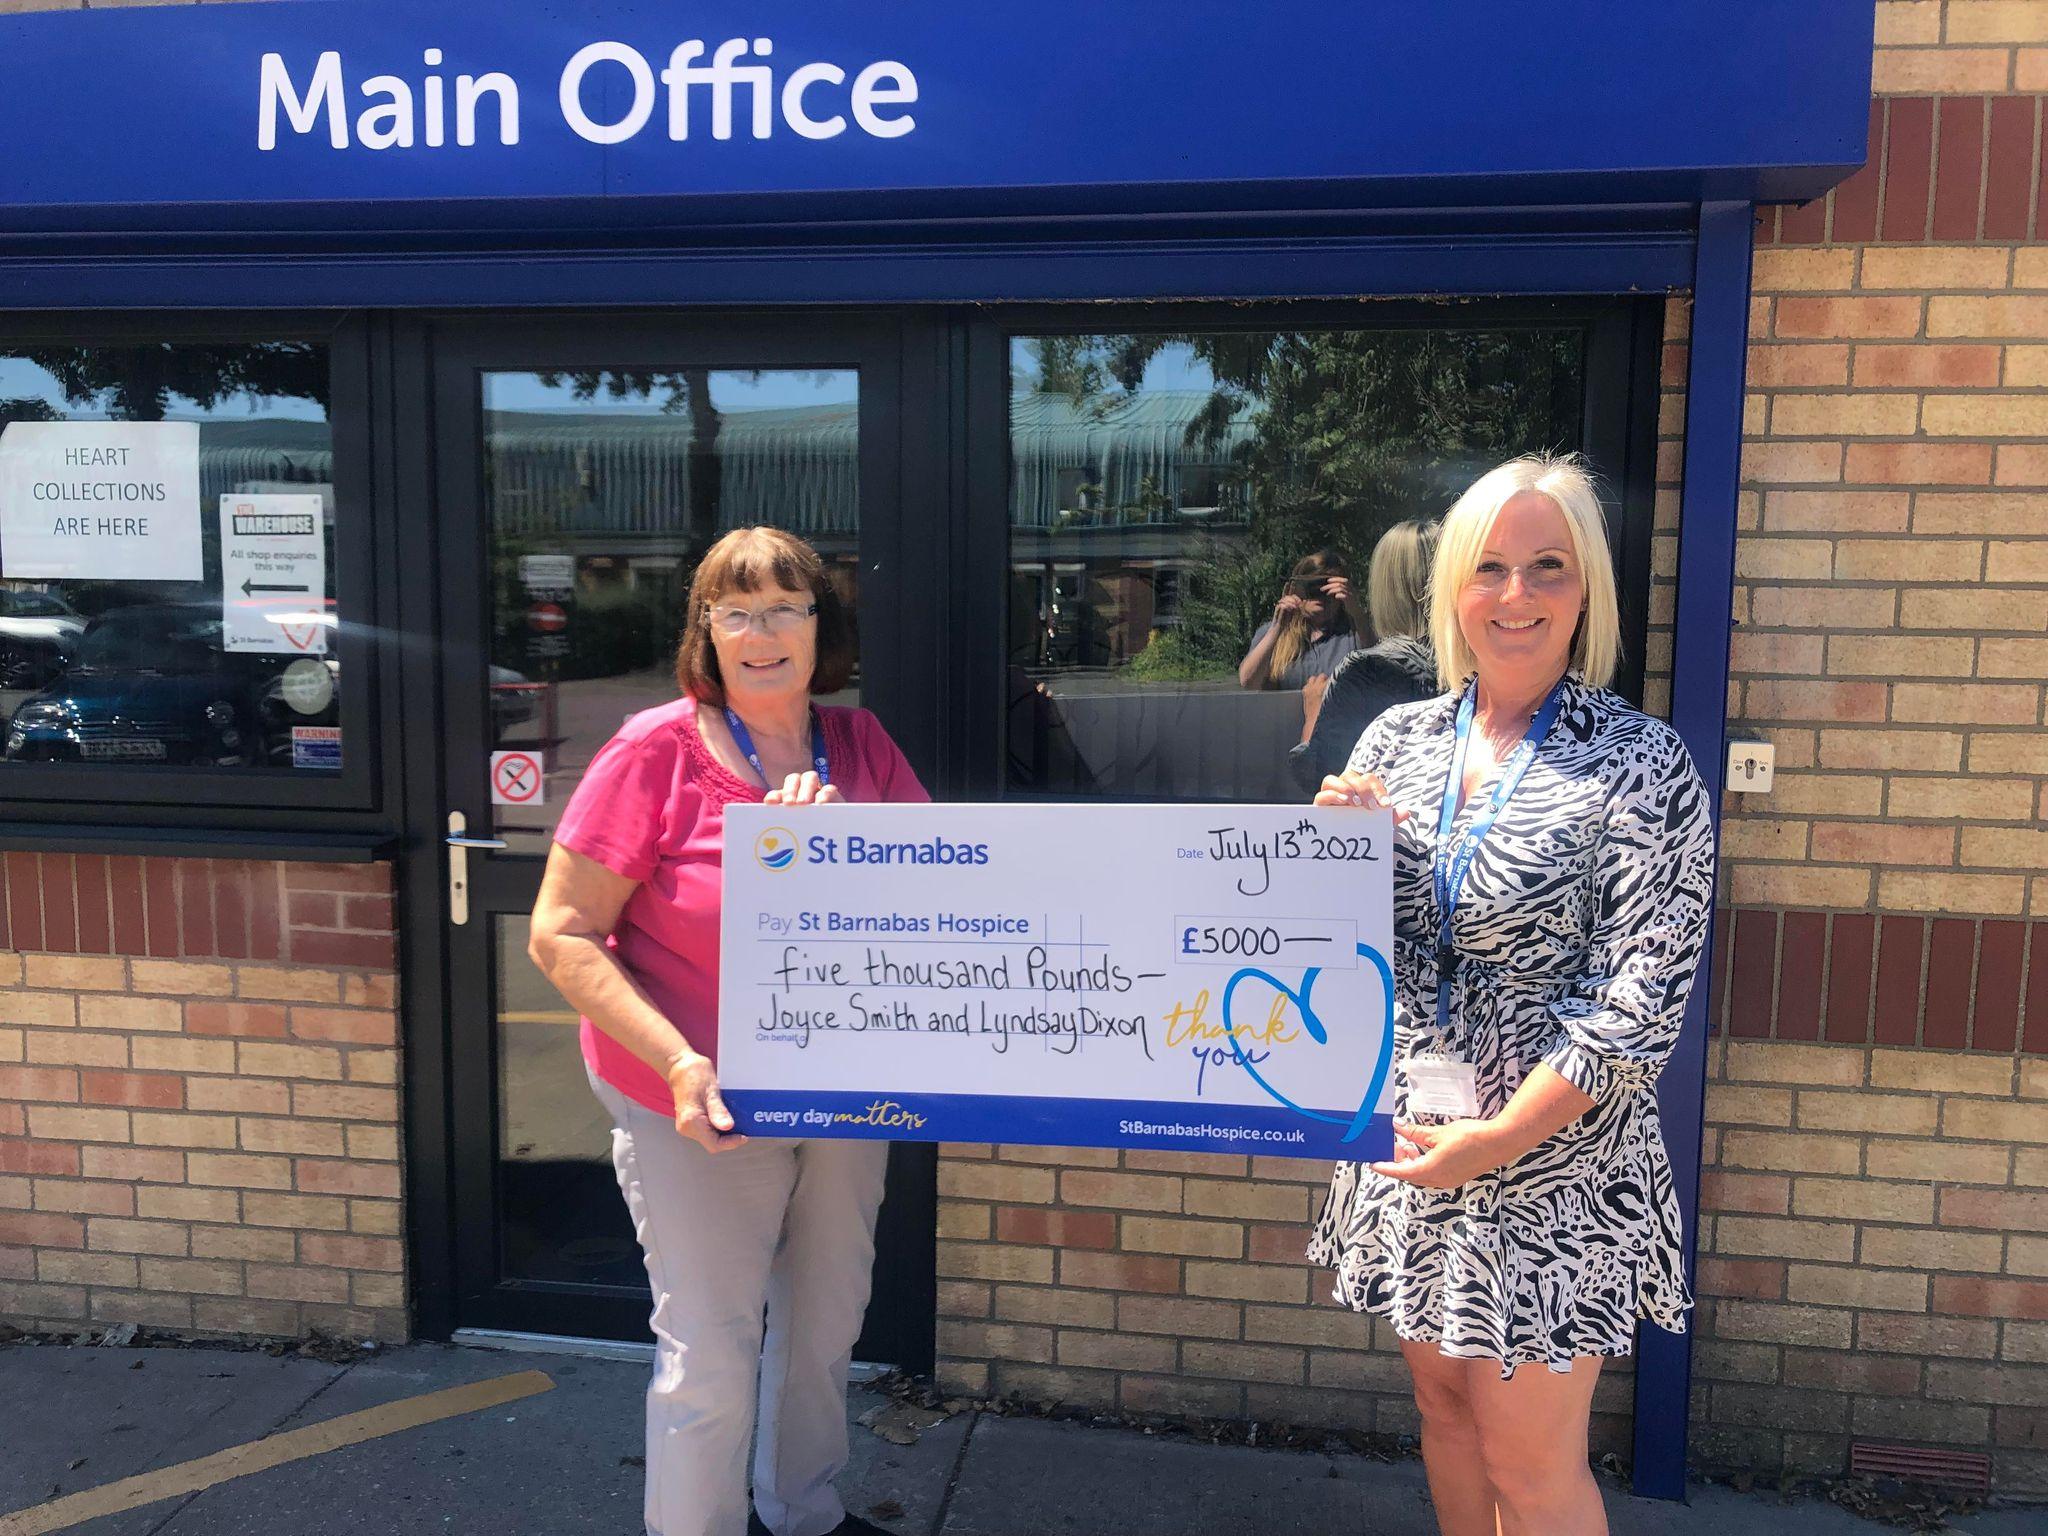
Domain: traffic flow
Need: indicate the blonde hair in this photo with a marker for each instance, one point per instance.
(1397, 592)
(1292, 638)
(1564, 479)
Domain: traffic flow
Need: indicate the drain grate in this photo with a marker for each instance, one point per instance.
(1965, 1471)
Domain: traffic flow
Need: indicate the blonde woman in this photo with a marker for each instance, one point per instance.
(1400, 668)
(1553, 870)
(1315, 625)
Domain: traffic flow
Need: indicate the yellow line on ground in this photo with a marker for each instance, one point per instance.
(541, 1016)
(272, 1451)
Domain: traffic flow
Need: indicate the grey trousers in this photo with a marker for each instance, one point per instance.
(785, 1225)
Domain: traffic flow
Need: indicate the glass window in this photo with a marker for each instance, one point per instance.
(1167, 491)
(603, 488)
(167, 570)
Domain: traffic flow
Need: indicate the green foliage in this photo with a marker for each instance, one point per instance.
(1354, 431)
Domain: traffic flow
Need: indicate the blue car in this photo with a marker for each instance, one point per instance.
(150, 684)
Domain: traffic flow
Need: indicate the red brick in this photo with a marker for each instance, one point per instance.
(1799, 973)
(372, 913)
(264, 1021)
(1804, 223)
(38, 1157)
(1998, 1210)
(142, 1090)
(1995, 1023)
(1036, 1224)
(1852, 940)
(2012, 151)
(160, 907)
(1918, 464)
(231, 908)
(1751, 972)
(1959, 174)
(1958, 365)
(1972, 1296)
(1898, 980)
(60, 904)
(24, 901)
(1909, 167)
(124, 885)
(1805, 317)
(45, 1085)
(1723, 932)
(346, 1026)
(2036, 1031)
(95, 923)
(1267, 1244)
(313, 909)
(39, 1229)
(1753, 1279)
(266, 924)
(371, 951)
(1951, 958)
(1120, 1271)
(1767, 1194)
(195, 906)
(1856, 199)
(13, 1120)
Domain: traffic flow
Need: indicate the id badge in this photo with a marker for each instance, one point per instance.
(1438, 1085)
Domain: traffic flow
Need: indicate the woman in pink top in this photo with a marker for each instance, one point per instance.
(626, 928)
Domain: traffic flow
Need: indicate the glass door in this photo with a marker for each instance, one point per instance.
(582, 475)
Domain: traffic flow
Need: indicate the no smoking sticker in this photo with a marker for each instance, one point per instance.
(516, 779)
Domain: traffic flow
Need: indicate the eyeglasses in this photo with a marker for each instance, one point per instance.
(1546, 573)
(776, 619)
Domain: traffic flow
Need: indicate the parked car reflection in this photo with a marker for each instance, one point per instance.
(39, 635)
(152, 684)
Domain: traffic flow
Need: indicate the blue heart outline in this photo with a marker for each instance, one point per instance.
(1320, 1035)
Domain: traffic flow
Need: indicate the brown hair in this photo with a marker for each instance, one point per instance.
(752, 560)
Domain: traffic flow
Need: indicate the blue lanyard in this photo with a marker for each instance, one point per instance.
(1454, 859)
(745, 741)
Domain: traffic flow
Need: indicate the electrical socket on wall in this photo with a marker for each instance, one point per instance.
(1750, 767)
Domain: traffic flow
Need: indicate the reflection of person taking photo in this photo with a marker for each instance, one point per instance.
(1315, 625)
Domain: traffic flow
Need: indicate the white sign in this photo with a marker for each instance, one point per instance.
(273, 574)
(100, 501)
(1203, 977)
(547, 573)
(516, 779)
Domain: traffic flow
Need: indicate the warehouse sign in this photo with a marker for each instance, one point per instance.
(100, 501)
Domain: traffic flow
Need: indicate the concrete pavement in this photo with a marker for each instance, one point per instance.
(565, 1462)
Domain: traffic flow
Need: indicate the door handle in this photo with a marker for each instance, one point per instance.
(459, 843)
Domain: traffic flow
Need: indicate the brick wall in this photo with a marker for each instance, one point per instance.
(1874, 1256)
(199, 1104)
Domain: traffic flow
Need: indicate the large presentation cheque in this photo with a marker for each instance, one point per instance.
(1201, 977)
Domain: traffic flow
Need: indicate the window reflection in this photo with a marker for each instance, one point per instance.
(1169, 490)
(127, 633)
(603, 488)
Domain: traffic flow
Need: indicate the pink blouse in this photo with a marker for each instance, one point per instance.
(651, 807)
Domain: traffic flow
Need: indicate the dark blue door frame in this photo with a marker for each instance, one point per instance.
(1699, 702)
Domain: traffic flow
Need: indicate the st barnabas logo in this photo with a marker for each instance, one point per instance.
(775, 848)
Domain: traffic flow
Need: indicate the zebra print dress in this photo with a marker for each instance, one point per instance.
(1579, 931)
